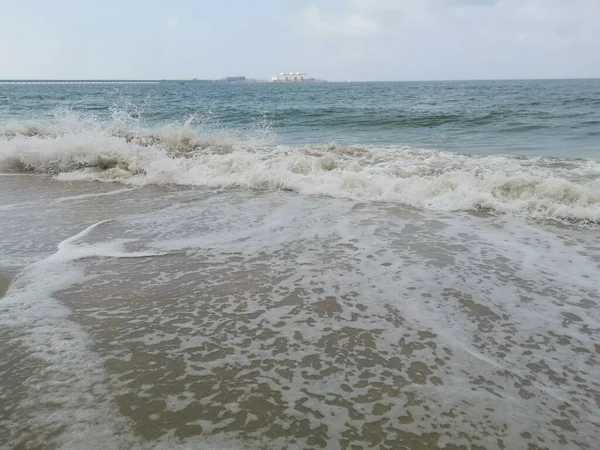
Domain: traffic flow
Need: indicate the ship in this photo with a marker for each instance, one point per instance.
(294, 77)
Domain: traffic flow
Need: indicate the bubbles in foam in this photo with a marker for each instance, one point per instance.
(326, 315)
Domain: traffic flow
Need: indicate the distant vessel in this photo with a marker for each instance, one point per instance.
(294, 77)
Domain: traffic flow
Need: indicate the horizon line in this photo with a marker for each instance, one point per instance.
(155, 80)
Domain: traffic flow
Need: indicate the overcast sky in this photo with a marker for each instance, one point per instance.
(331, 39)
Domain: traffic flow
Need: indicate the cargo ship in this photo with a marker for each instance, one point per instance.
(294, 77)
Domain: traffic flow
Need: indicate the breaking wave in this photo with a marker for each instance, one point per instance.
(75, 147)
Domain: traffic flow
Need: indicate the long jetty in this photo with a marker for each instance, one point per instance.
(84, 81)
(109, 81)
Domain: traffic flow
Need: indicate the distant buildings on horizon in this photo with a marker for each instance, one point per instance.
(238, 79)
(284, 77)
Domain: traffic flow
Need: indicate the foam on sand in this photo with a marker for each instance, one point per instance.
(65, 392)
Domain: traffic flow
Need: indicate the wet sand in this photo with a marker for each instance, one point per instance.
(4, 282)
(274, 321)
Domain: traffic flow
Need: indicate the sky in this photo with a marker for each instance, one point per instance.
(337, 40)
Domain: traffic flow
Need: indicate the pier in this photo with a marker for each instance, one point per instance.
(82, 81)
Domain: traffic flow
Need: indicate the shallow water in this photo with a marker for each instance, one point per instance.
(160, 316)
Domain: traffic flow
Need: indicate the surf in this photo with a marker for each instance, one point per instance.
(77, 147)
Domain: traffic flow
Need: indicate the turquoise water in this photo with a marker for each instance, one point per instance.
(543, 118)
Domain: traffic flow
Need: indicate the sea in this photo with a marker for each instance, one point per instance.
(300, 266)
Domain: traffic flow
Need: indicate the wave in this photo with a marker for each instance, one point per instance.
(72, 147)
(382, 118)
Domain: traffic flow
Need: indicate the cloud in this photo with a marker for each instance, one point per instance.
(184, 53)
(542, 23)
(315, 24)
(172, 23)
(450, 39)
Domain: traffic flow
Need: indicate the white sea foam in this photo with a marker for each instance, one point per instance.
(68, 394)
(309, 302)
(294, 283)
(73, 148)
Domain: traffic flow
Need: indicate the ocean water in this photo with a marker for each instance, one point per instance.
(317, 266)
